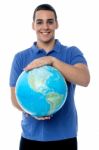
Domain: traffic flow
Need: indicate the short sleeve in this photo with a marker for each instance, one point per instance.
(15, 70)
(77, 56)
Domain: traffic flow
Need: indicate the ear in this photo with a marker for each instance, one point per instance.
(57, 25)
(33, 26)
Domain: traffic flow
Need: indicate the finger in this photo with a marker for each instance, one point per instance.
(28, 67)
(43, 118)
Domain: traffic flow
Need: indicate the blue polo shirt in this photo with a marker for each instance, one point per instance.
(63, 124)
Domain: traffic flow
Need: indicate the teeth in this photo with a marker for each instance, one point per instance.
(45, 33)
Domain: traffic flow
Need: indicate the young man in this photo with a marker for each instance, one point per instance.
(61, 128)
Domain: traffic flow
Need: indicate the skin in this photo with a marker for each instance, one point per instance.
(45, 26)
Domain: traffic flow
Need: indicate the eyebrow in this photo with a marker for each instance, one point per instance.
(51, 19)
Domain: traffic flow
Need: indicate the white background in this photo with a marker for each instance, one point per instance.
(79, 26)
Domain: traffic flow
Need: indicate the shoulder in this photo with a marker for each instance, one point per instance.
(23, 55)
(73, 54)
(69, 49)
(24, 52)
(74, 51)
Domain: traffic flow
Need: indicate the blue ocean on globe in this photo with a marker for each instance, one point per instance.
(41, 91)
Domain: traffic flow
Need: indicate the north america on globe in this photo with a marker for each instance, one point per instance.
(41, 91)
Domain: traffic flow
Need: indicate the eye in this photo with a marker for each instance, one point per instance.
(39, 22)
(50, 21)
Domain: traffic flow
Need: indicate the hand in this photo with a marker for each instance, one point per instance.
(47, 60)
(39, 118)
(43, 118)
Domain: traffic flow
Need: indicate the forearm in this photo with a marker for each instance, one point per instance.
(14, 100)
(77, 74)
(16, 105)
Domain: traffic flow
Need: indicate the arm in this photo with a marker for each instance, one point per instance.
(14, 100)
(77, 74)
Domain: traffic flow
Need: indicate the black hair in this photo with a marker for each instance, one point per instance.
(45, 7)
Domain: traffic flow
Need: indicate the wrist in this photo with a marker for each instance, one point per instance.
(53, 61)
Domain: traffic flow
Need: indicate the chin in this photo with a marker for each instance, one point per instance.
(47, 40)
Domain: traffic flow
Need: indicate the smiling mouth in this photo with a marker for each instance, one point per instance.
(45, 33)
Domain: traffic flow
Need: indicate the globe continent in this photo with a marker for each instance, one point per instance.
(41, 91)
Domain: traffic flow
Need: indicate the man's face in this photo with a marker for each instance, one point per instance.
(45, 25)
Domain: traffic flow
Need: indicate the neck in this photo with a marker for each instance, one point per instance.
(47, 46)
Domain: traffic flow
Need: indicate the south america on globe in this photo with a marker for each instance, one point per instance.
(41, 91)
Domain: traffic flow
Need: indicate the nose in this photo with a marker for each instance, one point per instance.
(45, 25)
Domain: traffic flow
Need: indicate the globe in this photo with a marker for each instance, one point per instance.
(41, 91)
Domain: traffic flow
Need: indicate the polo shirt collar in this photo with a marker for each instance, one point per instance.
(56, 47)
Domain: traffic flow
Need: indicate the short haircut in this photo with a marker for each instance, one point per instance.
(44, 7)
